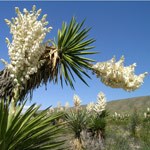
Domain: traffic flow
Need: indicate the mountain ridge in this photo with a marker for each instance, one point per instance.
(129, 104)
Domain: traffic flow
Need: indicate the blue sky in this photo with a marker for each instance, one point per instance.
(120, 28)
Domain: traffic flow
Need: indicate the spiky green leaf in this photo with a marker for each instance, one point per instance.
(72, 42)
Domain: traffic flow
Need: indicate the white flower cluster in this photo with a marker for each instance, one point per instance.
(147, 114)
(67, 105)
(99, 106)
(59, 107)
(90, 107)
(115, 75)
(76, 101)
(50, 111)
(27, 45)
(101, 103)
(118, 116)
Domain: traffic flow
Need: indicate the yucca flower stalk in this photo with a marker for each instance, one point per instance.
(77, 101)
(27, 44)
(50, 111)
(101, 103)
(90, 107)
(67, 106)
(97, 107)
(59, 107)
(147, 114)
(116, 75)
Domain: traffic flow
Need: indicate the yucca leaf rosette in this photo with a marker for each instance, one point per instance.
(73, 45)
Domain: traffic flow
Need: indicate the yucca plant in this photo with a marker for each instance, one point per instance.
(134, 123)
(76, 121)
(97, 124)
(63, 59)
(29, 130)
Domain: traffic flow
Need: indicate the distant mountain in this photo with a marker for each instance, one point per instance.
(128, 105)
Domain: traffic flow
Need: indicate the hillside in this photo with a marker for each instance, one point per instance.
(128, 105)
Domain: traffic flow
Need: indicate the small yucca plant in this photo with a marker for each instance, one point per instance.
(76, 121)
(134, 123)
(31, 130)
(97, 124)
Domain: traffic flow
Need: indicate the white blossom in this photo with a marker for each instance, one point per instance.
(51, 110)
(76, 101)
(26, 46)
(67, 105)
(59, 107)
(145, 115)
(101, 103)
(115, 75)
(90, 107)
